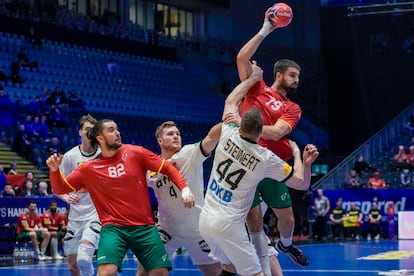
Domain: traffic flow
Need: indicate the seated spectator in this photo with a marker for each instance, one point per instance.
(32, 177)
(58, 118)
(8, 191)
(53, 221)
(353, 181)
(361, 166)
(74, 102)
(40, 128)
(400, 159)
(24, 60)
(55, 147)
(30, 228)
(12, 168)
(43, 189)
(37, 106)
(57, 99)
(27, 189)
(374, 222)
(406, 178)
(353, 220)
(376, 181)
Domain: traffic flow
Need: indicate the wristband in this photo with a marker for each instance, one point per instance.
(185, 192)
(265, 30)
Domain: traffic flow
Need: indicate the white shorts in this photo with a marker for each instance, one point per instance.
(230, 243)
(79, 231)
(192, 241)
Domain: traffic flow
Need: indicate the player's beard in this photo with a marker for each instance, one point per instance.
(288, 88)
(112, 146)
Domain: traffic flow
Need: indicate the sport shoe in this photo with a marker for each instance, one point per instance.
(41, 257)
(294, 253)
(58, 257)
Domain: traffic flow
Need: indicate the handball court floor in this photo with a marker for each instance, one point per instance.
(361, 258)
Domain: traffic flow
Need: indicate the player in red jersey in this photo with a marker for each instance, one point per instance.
(29, 227)
(280, 116)
(53, 221)
(116, 181)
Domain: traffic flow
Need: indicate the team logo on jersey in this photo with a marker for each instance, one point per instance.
(224, 196)
(124, 157)
(286, 169)
(284, 196)
(98, 167)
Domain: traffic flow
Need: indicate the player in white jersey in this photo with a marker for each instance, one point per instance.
(178, 226)
(239, 164)
(82, 237)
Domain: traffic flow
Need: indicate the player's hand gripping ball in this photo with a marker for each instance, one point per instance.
(281, 15)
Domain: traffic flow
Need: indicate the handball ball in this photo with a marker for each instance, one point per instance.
(281, 15)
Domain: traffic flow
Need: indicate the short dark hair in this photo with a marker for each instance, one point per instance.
(162, 126)
(252, 123)
(282, 65)
(96, 130)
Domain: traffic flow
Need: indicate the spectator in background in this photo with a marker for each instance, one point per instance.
(321, 207)
(58, 118)
(337, 218)
(27, 189)
(15, 71)
(7, 110)
(352, 222)
(75, 102)
(353, 181)
(8, 191)
(37, 106)
(43, 189)
(400, 159)
(32, 177)
(374, 222)
(12, 168)
(55, 147)
(22, 144)
(361, 166)
(406, 178)
(376, 181)
(40, 128)
(24, 60)
(57, 98)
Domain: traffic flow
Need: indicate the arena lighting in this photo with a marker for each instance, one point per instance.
(380, 9)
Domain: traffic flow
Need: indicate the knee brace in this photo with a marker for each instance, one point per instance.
(84, 259)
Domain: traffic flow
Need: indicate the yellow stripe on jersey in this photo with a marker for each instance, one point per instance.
(70, 186)
(162, 165)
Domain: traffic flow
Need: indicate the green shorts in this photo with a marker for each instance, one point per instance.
(25, 236)
(275, 194)
(144, 241)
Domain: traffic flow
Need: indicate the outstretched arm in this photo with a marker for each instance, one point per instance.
(231, 105)
(248, 50)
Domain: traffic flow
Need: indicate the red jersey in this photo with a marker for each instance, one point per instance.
(54, 220)
(273, 107)
(117, 184)
(31, 219)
